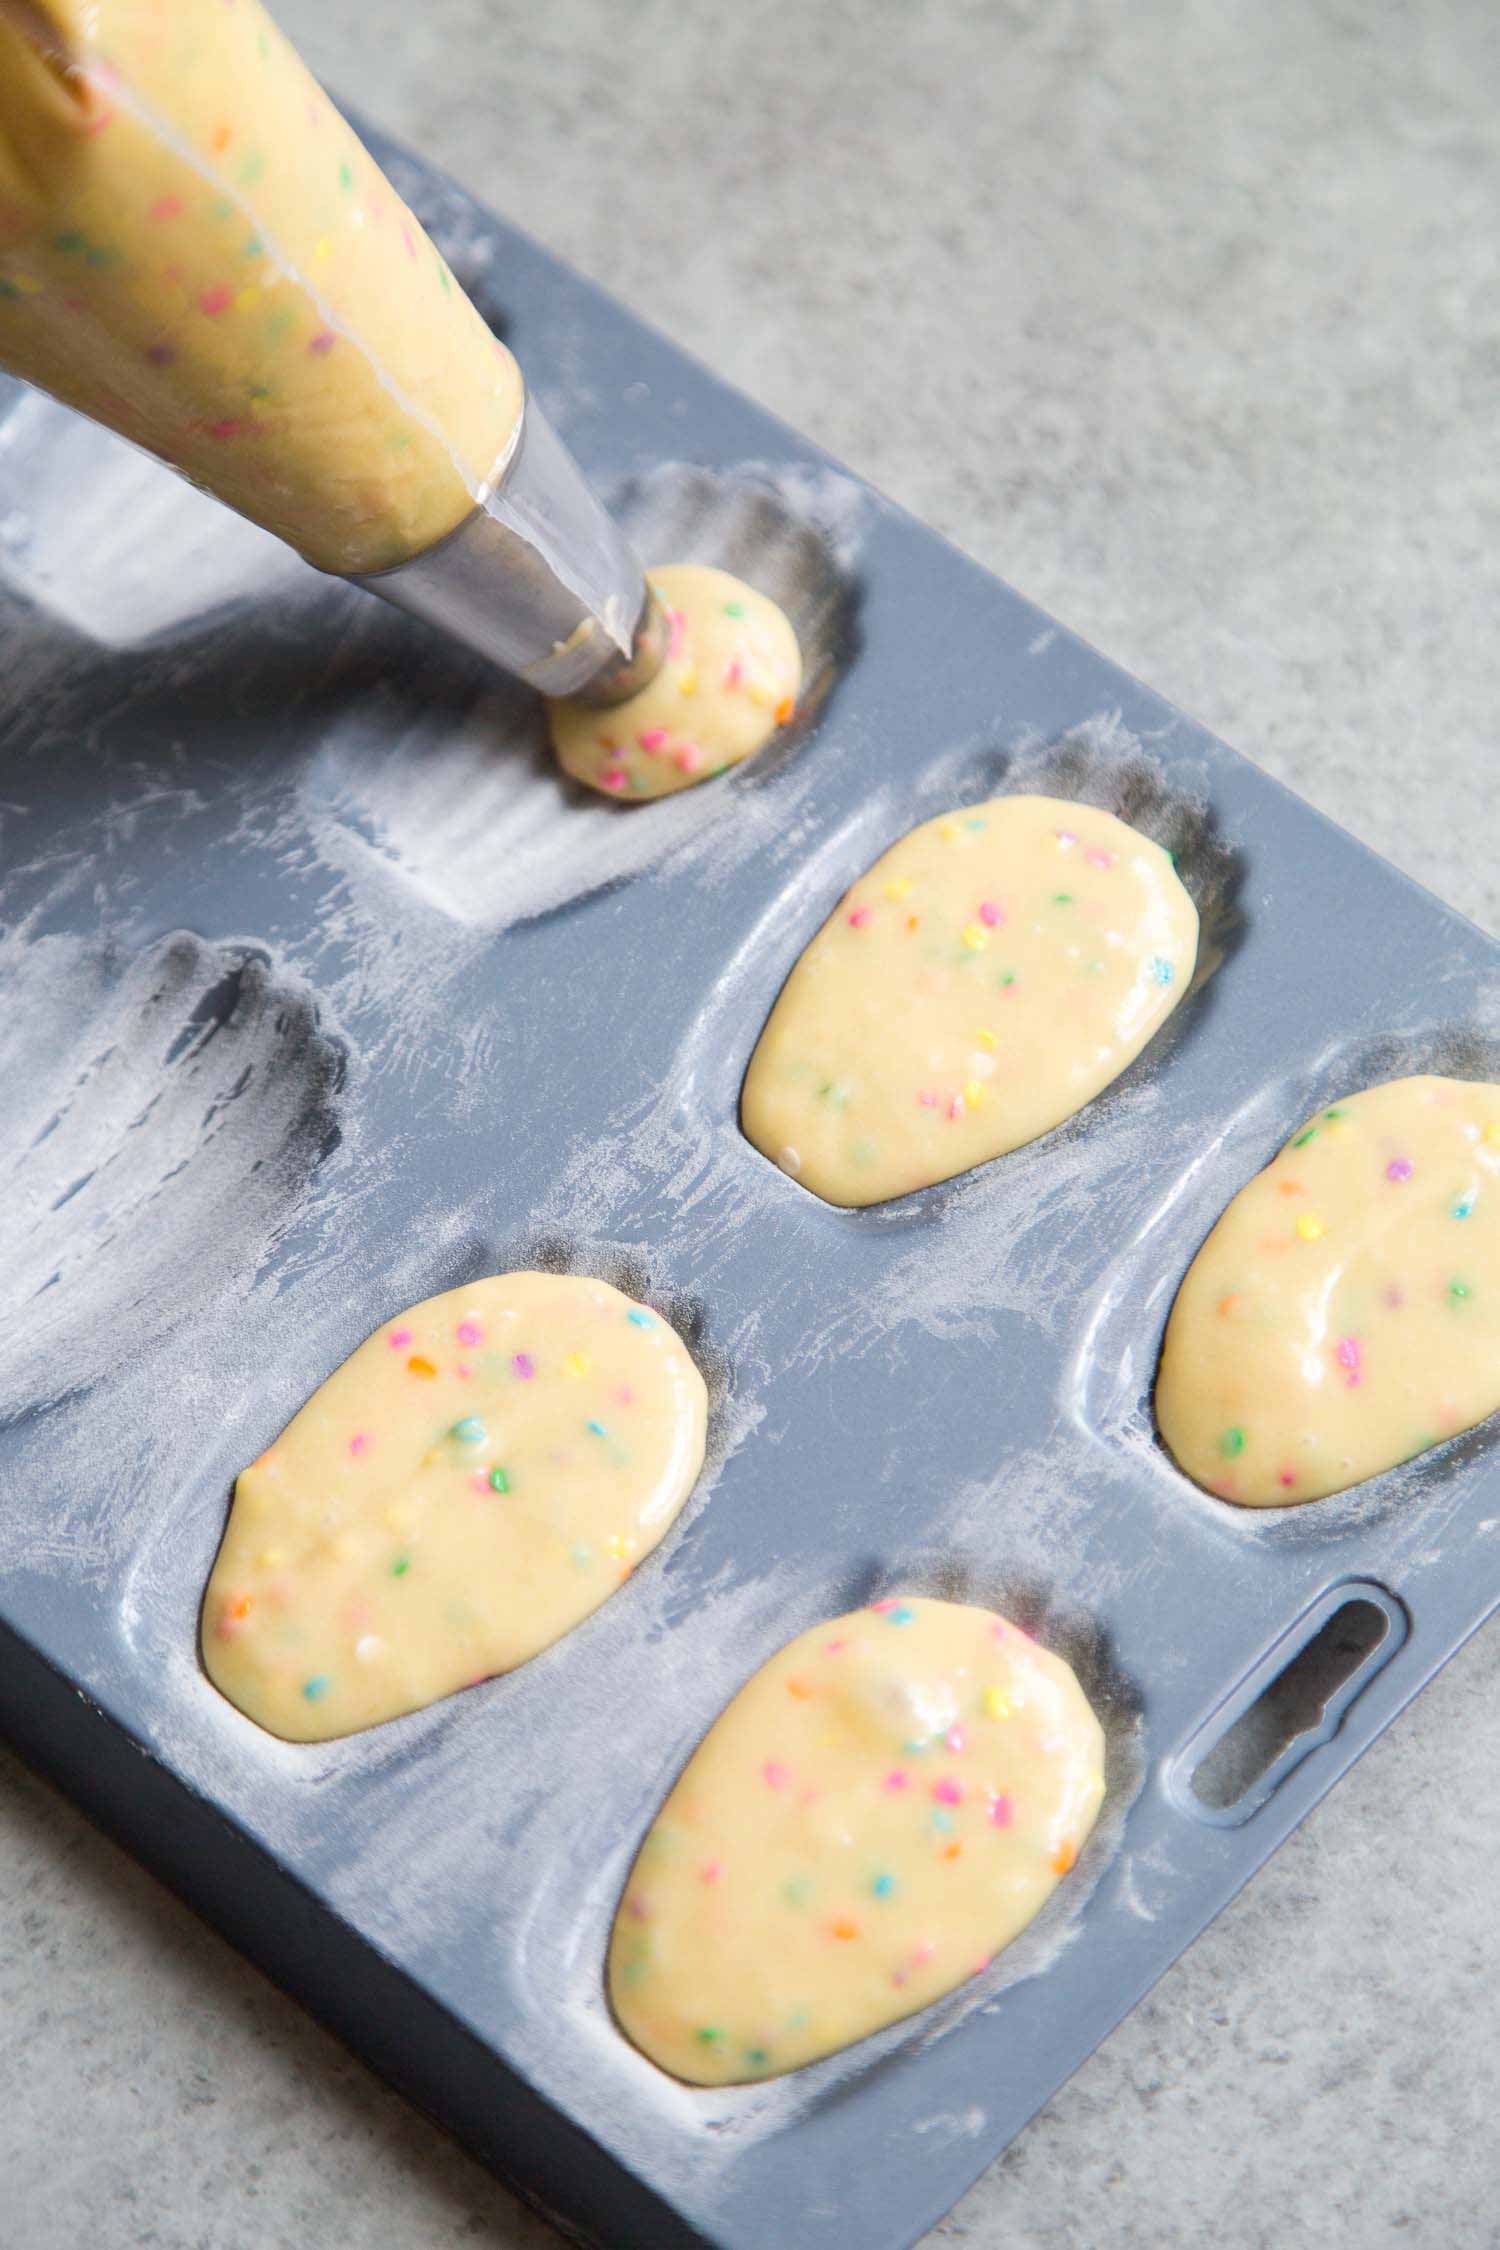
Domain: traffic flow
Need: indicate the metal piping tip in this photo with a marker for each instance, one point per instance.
(538, 579)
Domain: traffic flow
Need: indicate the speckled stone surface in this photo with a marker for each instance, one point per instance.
(1186, 320)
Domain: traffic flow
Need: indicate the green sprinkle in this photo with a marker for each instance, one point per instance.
(834, 1094)
(1333, 1113)
(1006, 976)
(69, 239)
(317, 1686)
(346, 178)
(798, 1890)
(443, 278)
(1458, 1290)
(734, 609)
(1231, 1441)
(1062, 898)
(259, 390)
(280, 321)
(263, 46)
(8, 288)
(400, 440)
(401, 1566)
(1303, 1138)
(499, 1481)
(709, 2035)
(97, 255)
(883, 1885)
(757, 2057)
(253, 248)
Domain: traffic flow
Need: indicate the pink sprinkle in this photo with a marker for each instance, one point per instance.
(165, 207)
(470, 1332)
(411, 248)
(956, 1106)
(1096, 856)
(463, 1371)
(1065, 837)
(322, 343)
(481, 1483)
(233, 427)
(1287, 1479)
(858, 918)
(399, 1339)
(688, 759)
(1349, 1356)
(956, 1739)
(216, 300)
(989, 913)
(928, 1100)
(734, 673)
(981, 1964)
(1395, 1296)
(947, 1791)
(359, 1444)
(1002, 1812)
(898, 1977)
(636, 1908)
(777, 1775)
(652, 739)
(624, 1395)
(523, 1366)
(881, 1607)
(896, 1780)
(834, 1648)
(1399, 1168)
(613, 777)
(710, 1871)
(923, 1953)
(676, 632)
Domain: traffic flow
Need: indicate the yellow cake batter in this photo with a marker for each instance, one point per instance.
(731, 678)
(196, 250)
(1345, 1312)
(985, 979)
(477, 1477)
(886, 1803)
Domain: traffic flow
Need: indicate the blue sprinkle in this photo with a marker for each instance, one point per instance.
(470, 1431)
(901, 1615)
(317, 1686)
(596, 1429)
(883, 1885)
(640, 1320)
(1163, 971)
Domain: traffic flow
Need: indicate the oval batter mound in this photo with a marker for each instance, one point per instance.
(1344, 1314)
(882, 1807)
(730, 679)
(477, 1477)
(988, 977)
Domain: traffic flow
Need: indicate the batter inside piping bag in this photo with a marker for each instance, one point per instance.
(888, 1802)
(477, 1477)
(1344, 1314)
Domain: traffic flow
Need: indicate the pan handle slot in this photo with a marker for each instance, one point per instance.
(1287, 1705)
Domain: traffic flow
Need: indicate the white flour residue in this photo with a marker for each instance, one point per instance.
(115, 545)
(163, 1115)
(467, 806)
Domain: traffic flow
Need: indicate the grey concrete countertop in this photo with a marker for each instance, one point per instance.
(1184, 318)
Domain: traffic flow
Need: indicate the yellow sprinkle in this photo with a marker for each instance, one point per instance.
(1309, 1227)
(576, 1363)
(25, 283)
(1492, 1134)
(987, 1039)
(620, 1545)
(976, 936)
(761, 695)
(948, 829)
(973, 1094)
(900, 888)
(687, 680)
(271, 1558)
(323, 249)
(1337, 1130)
(247, 297)
(996, 1703)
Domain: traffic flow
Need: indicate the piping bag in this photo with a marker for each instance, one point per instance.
(198, 252)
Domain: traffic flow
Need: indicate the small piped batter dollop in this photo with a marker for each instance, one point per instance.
(986, 978)
(884, 1805)
(730, 680)
(477, 1477)
(1344, 1314)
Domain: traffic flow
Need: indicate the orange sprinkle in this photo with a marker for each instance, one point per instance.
(219, 138)
(784, 710)
(844, 1927)
(417, 1365)
(951, 1851)
(914, 921)
(1063, 1858)
(1227, 1305)
(802, 1689)
(1288, 1187)
(239, 1607)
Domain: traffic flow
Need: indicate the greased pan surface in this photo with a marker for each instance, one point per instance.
(319, 993)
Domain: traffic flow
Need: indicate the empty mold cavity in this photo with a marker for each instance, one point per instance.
(1290, 1704)
(113, 545)
(457, 795)
(164, 1115)
(1110, 1382)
